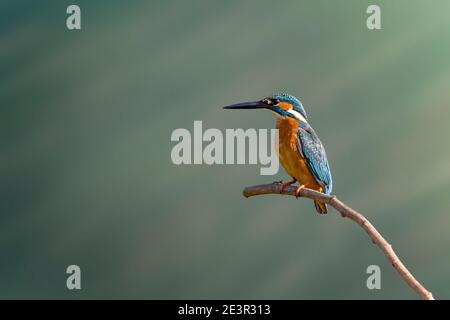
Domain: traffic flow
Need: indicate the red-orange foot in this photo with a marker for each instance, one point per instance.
(286, 184)
(299, 188)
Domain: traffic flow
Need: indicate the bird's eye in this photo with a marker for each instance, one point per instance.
(267, 101)
(275, 101)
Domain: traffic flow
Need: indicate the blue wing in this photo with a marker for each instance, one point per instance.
(313, 152)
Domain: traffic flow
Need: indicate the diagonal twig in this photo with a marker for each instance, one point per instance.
(347, 212)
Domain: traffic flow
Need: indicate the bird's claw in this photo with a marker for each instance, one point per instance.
(286, 184)
(297, 191)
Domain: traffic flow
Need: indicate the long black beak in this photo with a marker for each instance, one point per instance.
(247, 105)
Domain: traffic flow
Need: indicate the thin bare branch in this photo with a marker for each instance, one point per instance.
(357, 217)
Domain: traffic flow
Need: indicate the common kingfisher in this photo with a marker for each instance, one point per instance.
(300, 151)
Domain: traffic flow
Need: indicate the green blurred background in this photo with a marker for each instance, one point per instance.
(85, 168)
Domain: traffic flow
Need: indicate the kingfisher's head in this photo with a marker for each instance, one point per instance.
(283, 105)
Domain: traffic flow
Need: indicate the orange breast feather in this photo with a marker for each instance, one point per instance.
(289, 155)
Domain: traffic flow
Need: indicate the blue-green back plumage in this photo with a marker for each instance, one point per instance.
(313, 152)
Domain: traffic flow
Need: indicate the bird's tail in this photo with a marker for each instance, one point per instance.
(320, 207)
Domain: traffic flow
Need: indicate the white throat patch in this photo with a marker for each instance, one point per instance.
(297, 115)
